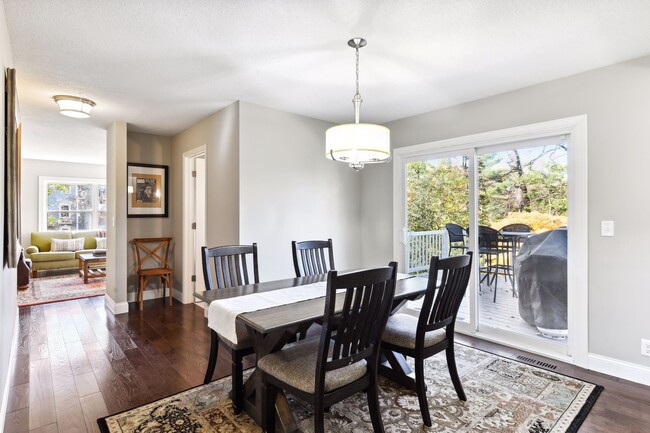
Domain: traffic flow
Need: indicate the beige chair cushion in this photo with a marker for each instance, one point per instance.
(296, 366)
(400, 331)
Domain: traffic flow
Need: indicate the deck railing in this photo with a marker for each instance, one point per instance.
(423, 245)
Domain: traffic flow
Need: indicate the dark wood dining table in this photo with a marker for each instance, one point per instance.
(272, 328)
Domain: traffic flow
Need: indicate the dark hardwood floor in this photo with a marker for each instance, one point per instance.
(76, 362)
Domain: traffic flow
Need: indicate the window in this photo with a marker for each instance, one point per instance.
(72, 204)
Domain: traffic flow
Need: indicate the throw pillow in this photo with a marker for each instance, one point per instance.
(67, 244)
(101, 243)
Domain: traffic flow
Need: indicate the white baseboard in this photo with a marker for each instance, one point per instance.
(152, 294)
(621, 369)
(115, 308)
(12, 365)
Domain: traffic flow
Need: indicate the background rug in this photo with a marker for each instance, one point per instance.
(503, 396)
(43, 290)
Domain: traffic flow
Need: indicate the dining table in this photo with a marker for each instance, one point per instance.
(271, 328)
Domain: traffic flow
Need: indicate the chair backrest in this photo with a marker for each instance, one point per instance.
(488, 237)
(309, 257)
(441, 303)
(456, 232)
(152, 253)
(229, 265)
(517, 227)
(368, 301)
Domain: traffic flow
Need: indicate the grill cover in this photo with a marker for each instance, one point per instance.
(541, 276)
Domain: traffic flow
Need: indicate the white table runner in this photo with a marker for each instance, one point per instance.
(222, 313)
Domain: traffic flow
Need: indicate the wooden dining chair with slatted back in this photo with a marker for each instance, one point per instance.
(223, 267)
(152, 256)
(312, 257)
(327, 369)
(433, 331)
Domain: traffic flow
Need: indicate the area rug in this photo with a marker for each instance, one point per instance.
(503, 396)
(44, 290)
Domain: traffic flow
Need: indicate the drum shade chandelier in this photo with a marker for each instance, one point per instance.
(358, 143)
(74, 106)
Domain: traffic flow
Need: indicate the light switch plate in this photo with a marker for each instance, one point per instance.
(607, 228)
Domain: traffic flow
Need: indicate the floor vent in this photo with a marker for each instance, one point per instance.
(536, 362)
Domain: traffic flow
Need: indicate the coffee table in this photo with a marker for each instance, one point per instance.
(91, 266)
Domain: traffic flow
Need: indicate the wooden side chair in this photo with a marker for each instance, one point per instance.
(312, 257)
(152, 255)
(433, 331)
(226, 266)
(323, 371)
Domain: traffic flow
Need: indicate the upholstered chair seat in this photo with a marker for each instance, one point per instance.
(401, 329)
(296, 366)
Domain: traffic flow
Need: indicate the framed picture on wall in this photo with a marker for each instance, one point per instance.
(12, 170)
(147, 194)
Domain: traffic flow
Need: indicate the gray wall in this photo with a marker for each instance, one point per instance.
(149, 149)
(8, 308)
(617, 102)
(220, 134)
(290, 191)
(31, 170)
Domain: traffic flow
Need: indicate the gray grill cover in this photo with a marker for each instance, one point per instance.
(541, 271)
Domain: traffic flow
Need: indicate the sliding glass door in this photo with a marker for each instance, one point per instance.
(508, 203)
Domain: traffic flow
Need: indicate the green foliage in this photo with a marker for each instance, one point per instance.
(527, 186)
(436, 194)
(61, 187)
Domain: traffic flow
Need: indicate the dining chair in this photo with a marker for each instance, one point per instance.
(152, 255)
(223, 267)
(312, 257)
(457, 236)
(433, 331)
(323, 371)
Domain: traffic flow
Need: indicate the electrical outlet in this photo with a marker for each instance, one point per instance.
(645, 347)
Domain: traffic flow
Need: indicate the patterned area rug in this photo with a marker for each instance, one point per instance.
(503, 396)
(43, 290)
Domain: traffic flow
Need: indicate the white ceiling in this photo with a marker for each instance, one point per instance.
(163, 65)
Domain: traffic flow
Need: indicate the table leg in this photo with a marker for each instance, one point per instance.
(394, 367)
(81, 269)
(85, 272)
(263, 345)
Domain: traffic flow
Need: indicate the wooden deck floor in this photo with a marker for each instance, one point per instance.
(502, 314)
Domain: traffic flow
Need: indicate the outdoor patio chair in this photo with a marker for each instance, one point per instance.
(494, 254)
(457, 236)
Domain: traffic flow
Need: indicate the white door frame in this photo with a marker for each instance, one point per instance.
(187, 295)
(577, 265)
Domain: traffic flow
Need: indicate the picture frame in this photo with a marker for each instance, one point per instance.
(12, 170)
(147, 190)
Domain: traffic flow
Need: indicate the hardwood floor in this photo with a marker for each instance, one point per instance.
(76, 362)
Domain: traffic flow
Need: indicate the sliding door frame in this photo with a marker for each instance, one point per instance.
(577, 263)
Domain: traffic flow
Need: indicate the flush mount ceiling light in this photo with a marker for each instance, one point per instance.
(74, 106)
(358, 143)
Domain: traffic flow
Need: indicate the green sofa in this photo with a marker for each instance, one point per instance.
(42, 258)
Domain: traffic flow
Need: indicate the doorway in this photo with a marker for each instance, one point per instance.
(512, 195)
(194, 221)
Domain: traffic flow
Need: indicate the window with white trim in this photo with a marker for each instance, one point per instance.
(72, 204)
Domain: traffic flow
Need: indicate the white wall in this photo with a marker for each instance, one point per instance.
(617, 102)
(290, 191)
(149, 149)
(31, 170)
(8, 309)
(220, 134)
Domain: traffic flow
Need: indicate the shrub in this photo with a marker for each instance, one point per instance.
(538, 222)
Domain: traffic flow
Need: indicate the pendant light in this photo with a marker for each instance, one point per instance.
(357, 143)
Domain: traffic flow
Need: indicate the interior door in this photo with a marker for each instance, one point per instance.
(199, 218)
